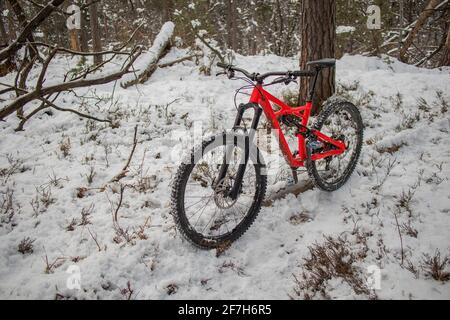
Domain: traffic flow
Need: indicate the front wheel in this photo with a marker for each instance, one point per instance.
(339, 120)
(202, 207)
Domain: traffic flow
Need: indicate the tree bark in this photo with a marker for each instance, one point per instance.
(3, 34)
(11, 27)
(95, 30)
(423, 17)
(84, 34)
(445, 60)
(318, 37)
(168, 7)
(231, 24)
(20, 15)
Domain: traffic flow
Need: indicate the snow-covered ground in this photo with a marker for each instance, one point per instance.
(56, 190)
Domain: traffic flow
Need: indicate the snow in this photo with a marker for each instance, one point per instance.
(344, 29)
(261, 264)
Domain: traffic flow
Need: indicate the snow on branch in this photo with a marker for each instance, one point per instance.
(147, 63)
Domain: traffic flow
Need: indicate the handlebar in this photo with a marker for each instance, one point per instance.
(260, 77)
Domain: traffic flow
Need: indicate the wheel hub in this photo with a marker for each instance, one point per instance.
(221, 193)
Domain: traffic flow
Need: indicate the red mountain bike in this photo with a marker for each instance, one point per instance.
(217, 192)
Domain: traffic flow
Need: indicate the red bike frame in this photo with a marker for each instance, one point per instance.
(263, 98)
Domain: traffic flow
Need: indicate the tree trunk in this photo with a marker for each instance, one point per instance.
(231, 24)
(167, 10)
(20, 15)
(11, 27)
(445, 60)
(95, 30)
(423, 17)
(318, 37)
(84, 34)
(279, 41)
(3, 34)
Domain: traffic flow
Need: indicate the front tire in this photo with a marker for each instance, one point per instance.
(222, 221)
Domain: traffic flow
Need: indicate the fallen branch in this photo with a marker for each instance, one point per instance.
(295, 189)
(148, 62)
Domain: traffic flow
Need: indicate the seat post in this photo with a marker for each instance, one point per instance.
(312, 87)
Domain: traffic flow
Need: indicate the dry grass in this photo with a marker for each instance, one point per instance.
(299, 218)
(8, 207)
(50, 266)
(171, 289)
(334, 258)
(391, 149)
(127, 292)
(230, 265)
(26, 246)
(434, 266)
(15, 166)
(86, 213)
(65, 146)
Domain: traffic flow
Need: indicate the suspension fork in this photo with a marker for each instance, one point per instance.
(249, 136)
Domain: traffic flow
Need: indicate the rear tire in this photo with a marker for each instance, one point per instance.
(337, 119)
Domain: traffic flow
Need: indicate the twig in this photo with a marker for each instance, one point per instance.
(124, 171)
(401, 238)
(116, 212)
(80, 53)
(44, 70)
(171, 63)
(83, 115)
(95, 240)
(218, 54)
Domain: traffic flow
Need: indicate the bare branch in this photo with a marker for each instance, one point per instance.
(83, 115)
(171, 63)
(65, 86)
(28, 29)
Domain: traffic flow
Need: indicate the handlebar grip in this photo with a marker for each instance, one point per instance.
(222, 65)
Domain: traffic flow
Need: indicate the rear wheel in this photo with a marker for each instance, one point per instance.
(203, 210)
(341, 121)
